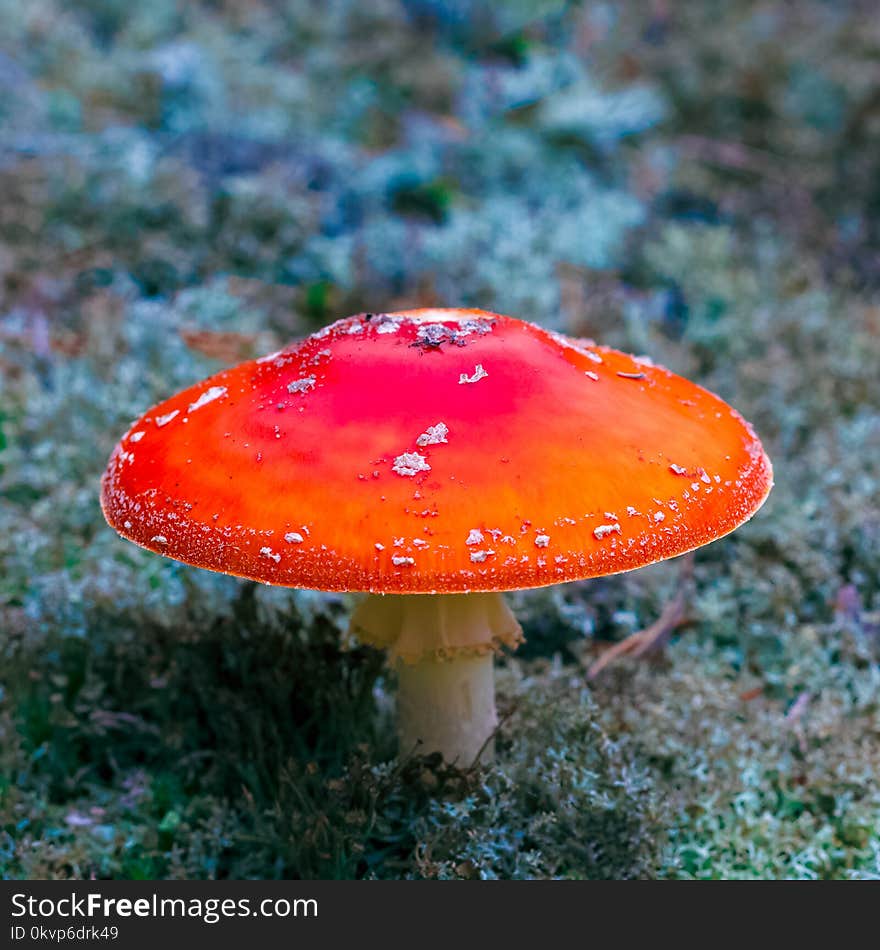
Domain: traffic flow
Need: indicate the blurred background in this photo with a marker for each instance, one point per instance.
(187, 185)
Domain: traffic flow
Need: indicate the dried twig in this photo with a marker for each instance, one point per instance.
(797, 709)
(673, 615)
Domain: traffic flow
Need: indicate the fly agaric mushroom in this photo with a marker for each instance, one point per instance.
(434, 459)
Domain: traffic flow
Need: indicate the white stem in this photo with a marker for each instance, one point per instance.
(442, 647)
(447, 706)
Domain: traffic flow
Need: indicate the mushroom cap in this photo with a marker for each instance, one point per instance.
(435, 451)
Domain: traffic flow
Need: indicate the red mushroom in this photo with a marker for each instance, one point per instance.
(432, 459)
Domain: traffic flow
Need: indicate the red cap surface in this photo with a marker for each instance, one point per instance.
(435, 451)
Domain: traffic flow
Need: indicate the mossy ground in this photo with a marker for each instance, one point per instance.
(185, 185)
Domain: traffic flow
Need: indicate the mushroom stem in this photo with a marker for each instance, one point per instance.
(447, 706)
(442, 646)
